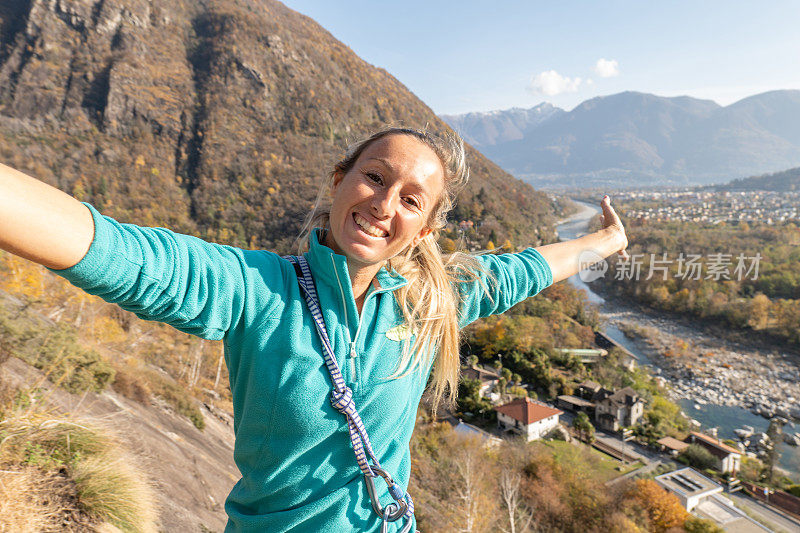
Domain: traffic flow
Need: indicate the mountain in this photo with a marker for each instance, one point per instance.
(214, 117)
(635, 138)
(493, 127)
(786, 181)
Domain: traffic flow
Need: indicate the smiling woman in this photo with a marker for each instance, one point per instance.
(361, 318)
(388, 197)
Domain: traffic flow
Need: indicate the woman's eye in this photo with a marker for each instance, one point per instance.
(411, 201)
(372, 176)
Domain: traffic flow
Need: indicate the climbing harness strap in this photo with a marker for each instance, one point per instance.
(342, 401)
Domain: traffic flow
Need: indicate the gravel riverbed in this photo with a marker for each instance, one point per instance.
(707, 369)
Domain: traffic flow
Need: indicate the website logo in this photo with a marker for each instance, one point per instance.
(591, 266)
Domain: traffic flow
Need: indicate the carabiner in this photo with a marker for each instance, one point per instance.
(397, 494)
(385, 523)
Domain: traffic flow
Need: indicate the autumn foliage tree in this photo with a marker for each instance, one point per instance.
(459, 484)
(663, 508)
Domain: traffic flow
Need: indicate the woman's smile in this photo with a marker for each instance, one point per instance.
(368, 228)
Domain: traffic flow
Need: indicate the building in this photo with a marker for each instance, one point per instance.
(623, 408)
(703, 497)
(468, 430)
(728, 458)
(575, 404)
(689, 485)
(488, 378)
(586, 356)
(527, 417)
(674, 445)
(588, 390)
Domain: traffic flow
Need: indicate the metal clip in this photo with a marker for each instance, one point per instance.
(387, 511)
(396, 492)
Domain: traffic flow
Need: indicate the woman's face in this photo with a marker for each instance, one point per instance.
(383, 203)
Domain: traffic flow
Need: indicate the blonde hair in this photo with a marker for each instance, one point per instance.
(430, 299)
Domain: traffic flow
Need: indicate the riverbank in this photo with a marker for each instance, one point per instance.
(729, 374)
(711, 368)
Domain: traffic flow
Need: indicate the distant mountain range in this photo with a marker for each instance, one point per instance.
(643, 139)
(495, 127)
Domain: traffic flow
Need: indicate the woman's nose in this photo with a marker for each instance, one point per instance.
(384, 204)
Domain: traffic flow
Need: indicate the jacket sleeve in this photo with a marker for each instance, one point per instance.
(506, 280)
(195, 286)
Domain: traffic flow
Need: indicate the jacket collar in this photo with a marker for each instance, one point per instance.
(327, 264)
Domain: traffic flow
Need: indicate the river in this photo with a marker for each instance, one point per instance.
(724, 418)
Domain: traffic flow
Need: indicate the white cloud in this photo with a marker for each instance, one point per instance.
(590, 82)
(551, 83)
(606, 68)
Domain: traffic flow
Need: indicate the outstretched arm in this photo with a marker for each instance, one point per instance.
(506, 279)
(195, 286)
(563, 257)
(41, 223)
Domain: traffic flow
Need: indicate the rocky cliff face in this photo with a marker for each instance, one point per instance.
(217, 117)
(190, 472)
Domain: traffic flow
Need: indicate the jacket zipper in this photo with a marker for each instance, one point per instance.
(353, 352)
(353, 355)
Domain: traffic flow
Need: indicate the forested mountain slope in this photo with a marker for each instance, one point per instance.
(214, 117)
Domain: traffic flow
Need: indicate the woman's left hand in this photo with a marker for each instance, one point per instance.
(611, 222)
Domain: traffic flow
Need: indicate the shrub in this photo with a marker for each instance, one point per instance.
(56, 351)
(131, 387)
(177, 397)
(696, 524)
(59, 475)
(698, 457)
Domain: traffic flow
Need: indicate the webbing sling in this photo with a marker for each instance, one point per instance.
(342, 401)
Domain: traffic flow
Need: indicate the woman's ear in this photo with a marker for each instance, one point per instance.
(338, 176)
(424, 232)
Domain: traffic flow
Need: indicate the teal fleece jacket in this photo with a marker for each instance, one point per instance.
(292, 447)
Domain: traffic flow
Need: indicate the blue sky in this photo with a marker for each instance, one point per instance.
(478, 56)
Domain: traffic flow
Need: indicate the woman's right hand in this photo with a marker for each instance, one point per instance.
(611, 222)
(41, 223)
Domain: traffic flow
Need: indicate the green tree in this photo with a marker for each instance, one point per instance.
(584, 427)
(775, 434)
(470, 400)
(501, 384)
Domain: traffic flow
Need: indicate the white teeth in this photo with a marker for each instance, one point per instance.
(369, 228)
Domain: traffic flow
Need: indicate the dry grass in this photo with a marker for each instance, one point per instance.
(111, 489)
(35, 500)
(24, 505)
(58, 474)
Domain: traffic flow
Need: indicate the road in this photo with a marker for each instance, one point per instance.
(776, 519)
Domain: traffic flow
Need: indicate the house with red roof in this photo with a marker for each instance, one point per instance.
(527, 417)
